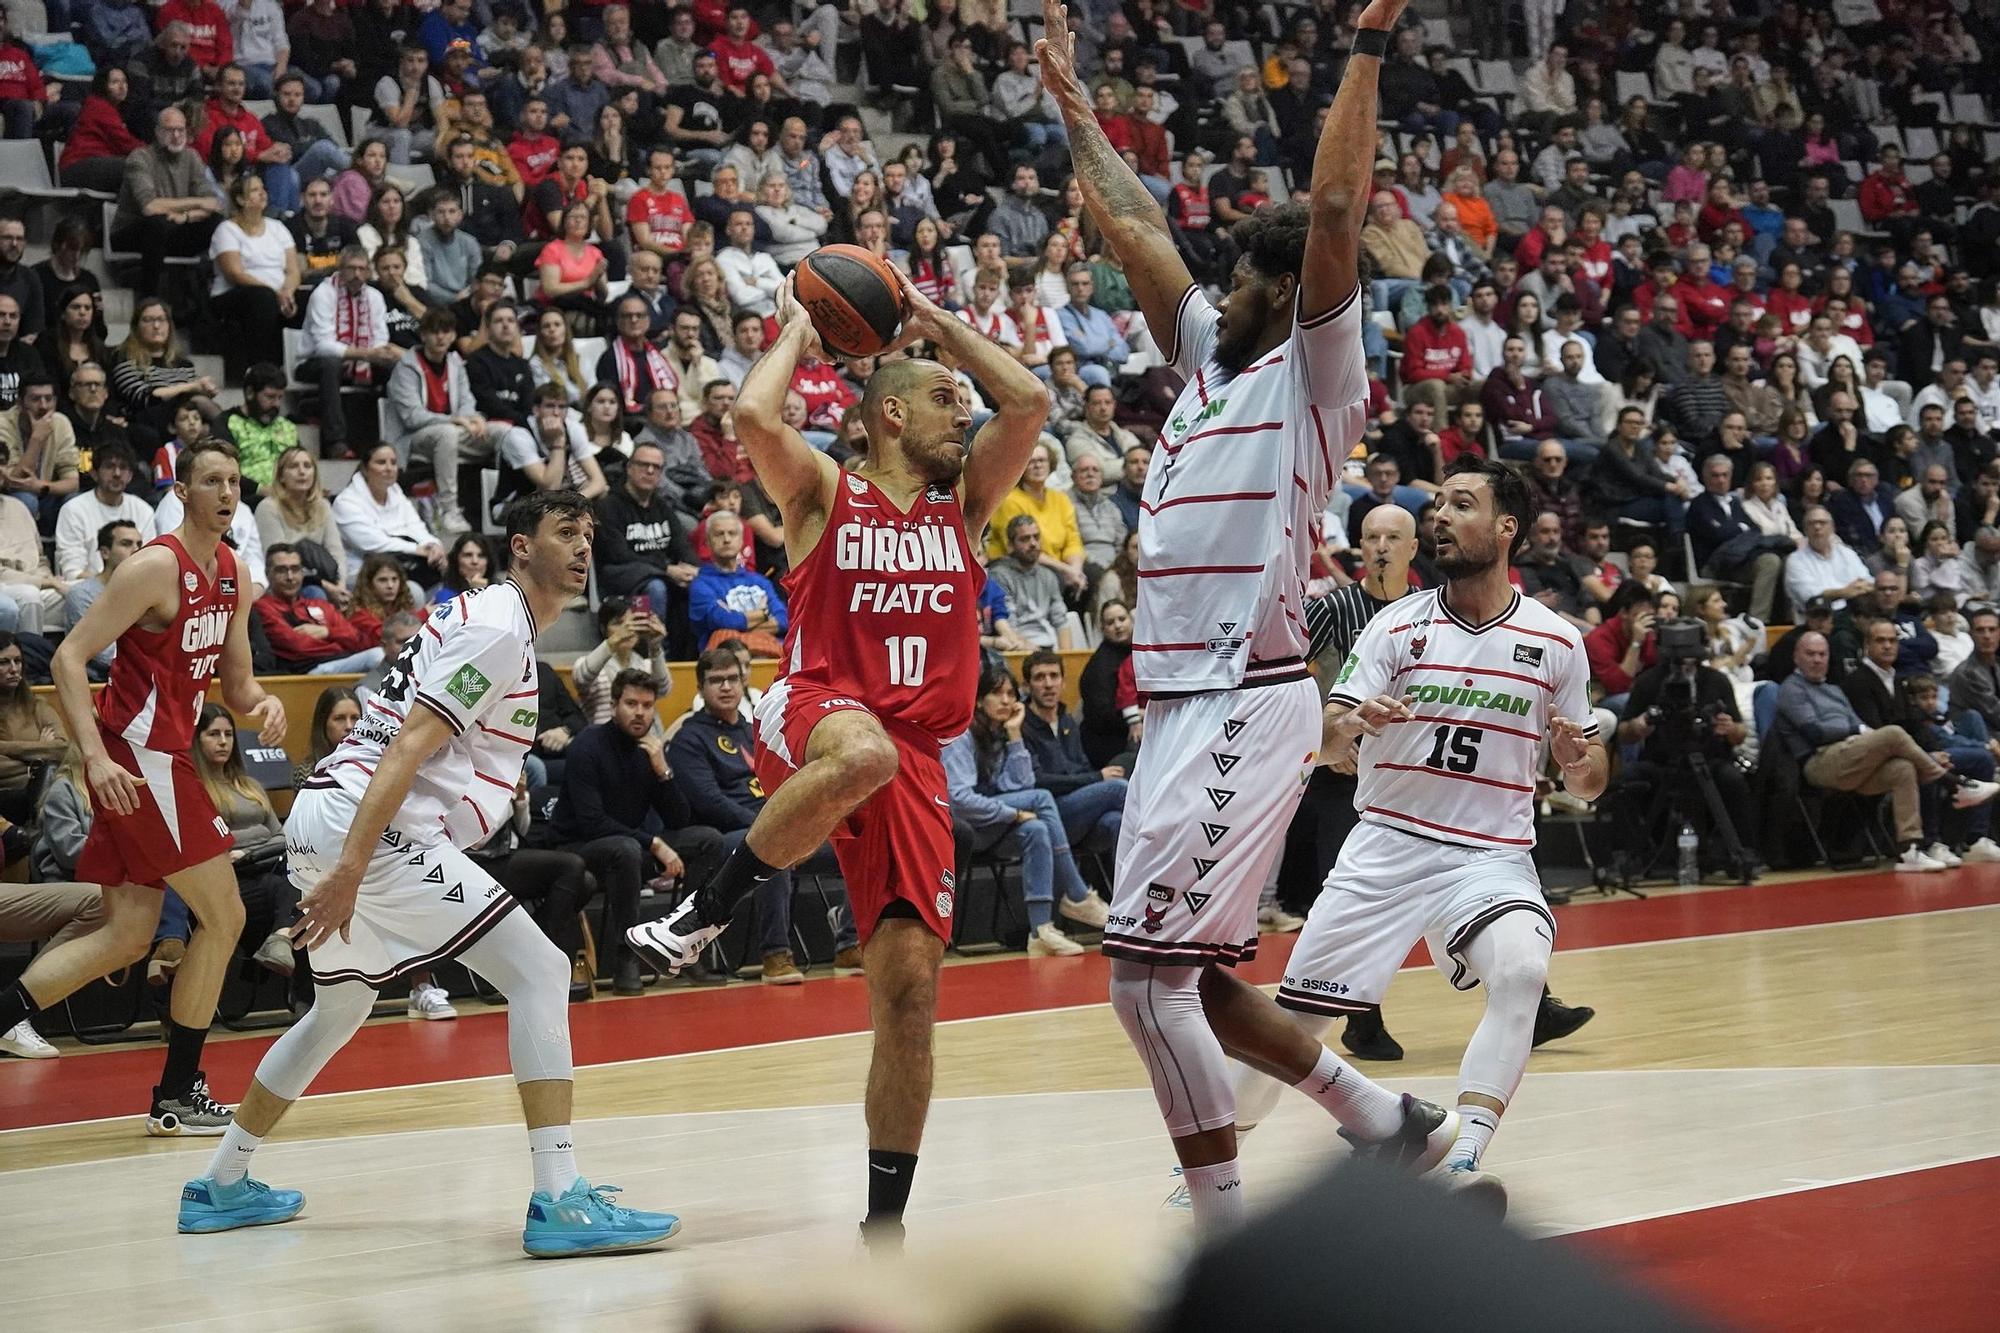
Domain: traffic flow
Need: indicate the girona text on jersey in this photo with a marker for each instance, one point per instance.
(887, 550)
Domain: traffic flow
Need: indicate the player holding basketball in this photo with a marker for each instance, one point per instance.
(881, 668)
(1276, 394)
(376, 841)
(179, 616)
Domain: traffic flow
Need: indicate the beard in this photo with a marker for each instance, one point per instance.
(1232, 351)
(1457, 561)
(939, 462)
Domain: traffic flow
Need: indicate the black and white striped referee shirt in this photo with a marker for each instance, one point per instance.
(1333, 623)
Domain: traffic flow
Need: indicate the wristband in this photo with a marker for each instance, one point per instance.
(1371, 42)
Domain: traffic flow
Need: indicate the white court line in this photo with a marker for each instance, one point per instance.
(1098, 1004)
(1802, 1187)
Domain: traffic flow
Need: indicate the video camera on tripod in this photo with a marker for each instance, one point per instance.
(1682, 725)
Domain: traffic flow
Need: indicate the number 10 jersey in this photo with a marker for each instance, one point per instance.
(885, 608)
(473, 665)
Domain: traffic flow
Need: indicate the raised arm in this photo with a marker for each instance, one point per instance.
(1130, 221)
(994, 462)
(1343, 168)
(795, 475)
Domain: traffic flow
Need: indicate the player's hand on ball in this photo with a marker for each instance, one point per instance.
(111, 786)
(1567, 741)
(270, 719)
(792, 313)
(327, 908)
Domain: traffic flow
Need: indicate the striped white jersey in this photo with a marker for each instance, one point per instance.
(472, 664)
(1231, 511)
(1463, 770)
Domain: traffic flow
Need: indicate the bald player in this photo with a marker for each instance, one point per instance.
(881, 668)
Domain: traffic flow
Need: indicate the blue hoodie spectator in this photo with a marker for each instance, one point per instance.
(724, 595)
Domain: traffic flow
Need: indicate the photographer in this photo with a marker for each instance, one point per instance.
(1678, 709)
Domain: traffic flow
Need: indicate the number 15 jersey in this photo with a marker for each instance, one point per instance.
(1463, 769)
(885, 608)
(473, 665)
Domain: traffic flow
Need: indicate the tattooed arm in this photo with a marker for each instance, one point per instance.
(1343, 175)
(1125, 213)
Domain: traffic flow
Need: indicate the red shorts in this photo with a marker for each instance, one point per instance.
(897, 847)
(174, 827)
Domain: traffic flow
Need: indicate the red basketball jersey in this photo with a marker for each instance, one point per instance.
(160, 676)
(885, 608)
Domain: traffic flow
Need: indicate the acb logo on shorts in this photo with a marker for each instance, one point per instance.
(222, 826)
(944, 898)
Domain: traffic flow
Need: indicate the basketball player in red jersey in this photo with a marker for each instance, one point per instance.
(179, 614)
(881, 667)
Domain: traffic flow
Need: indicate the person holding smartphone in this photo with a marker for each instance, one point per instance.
(634, 639)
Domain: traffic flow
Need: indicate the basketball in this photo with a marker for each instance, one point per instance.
(854, 299)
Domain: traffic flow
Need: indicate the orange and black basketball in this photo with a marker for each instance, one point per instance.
(854, 299)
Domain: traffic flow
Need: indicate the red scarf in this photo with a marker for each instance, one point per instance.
(437, 384)
(349, 331)
(657, 370)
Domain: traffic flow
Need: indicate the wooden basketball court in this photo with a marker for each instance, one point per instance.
(1779, 1117)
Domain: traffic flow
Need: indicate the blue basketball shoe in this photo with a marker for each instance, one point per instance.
(207, 1206)
(585, 1221)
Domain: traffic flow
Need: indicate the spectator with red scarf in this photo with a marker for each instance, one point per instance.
(632, 362)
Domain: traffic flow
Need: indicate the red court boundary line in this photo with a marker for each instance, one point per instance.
(88, 1085)
(1914, 1250)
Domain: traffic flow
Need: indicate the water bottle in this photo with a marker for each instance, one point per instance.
(1690, 856)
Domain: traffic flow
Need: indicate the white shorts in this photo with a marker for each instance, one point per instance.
(1218, 779)
(1388, 890)
(419, 904)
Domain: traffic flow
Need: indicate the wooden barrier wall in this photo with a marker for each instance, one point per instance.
(301, 693)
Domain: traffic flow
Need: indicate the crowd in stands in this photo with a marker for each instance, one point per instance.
(1723, 278)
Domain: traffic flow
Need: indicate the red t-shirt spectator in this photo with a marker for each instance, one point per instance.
(99, 132)
(736, 62)
(1596, 264)
(711, 19)
(534, 157)
(1854, 323)
(20, 81)
(1642, 300)
(722, 455)
(666, 215)
(1117, 130)
(1604, 648)
(1433, 353)
(1452, 442)
(1189, 207)
(1712, 219)
(1881, 197)
(255, 138)
(1793, 309)
(210, 44)
(1706, 305)
(281, 620)
(1149, 141)
(827, 395)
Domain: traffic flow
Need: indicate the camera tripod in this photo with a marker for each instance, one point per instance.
(1672, 798)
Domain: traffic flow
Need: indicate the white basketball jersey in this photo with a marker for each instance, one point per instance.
(1230, 515)
(472, 664)
(1463, 769)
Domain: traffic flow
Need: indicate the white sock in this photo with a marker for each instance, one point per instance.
(1476, 1123)
(1367, 1108)
(554, 1156)
(1216, 1193)
(232, 1156)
